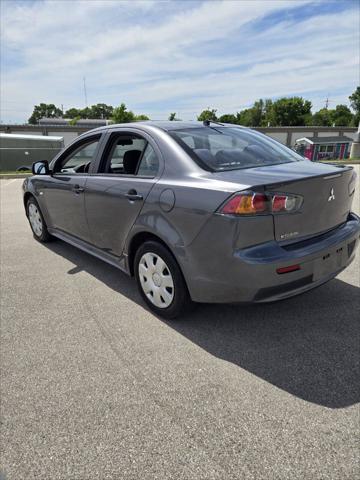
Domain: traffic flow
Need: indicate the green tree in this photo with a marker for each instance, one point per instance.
(267, 113)
(245, 117)
(74, 120)
(122, 115)
(72, 113)
(259, 115)
(98, 111)
(342, 116)
(140, 117)
(323, 118)
(355, 105)
(172, 117)
(228, 118)
(355, 100)
(47, 110)
(208, 115)
(101, 110)
(288, 112)
(85, 112)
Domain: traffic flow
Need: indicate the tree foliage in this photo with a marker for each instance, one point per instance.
(293, 111)
(228, 118)
(355, 100)
(342, 116)
(122, 115)
(141, 117)
(208, 115)
(323, 118)
(290, 112)
(355, 105)
(47, 110)
(100, 110)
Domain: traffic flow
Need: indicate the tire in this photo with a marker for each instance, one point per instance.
(160, 280)
(37, 222)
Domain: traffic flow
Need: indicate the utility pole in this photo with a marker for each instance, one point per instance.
(327, 101)
(85, 94)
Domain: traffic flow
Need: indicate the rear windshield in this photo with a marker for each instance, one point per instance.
(230, 148)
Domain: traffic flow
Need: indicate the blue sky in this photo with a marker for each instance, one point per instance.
(164, 56)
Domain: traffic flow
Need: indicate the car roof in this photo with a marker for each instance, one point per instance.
(166, 125)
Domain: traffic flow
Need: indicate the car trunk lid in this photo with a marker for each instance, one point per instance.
(323, 187)
(326, 204)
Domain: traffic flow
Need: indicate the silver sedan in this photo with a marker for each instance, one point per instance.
(197, 212)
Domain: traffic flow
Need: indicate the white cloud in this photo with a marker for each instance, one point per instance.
(160, 57)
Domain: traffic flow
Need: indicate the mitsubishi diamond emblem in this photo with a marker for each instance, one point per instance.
(332, 195)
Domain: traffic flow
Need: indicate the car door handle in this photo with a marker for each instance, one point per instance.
(132, 195)
(78, 189)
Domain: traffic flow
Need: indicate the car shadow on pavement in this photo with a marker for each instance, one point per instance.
(307, 345)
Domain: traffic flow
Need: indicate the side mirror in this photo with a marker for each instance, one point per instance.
(41, 168)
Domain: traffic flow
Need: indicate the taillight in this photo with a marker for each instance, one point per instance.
(255, 203)
(284, 203)
(245, 203)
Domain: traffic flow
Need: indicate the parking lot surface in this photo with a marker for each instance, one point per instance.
(94, 386)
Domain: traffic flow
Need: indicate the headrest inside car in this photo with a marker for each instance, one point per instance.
(131, 160)
(125, 141)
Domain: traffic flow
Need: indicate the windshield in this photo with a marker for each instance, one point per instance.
(231, 148)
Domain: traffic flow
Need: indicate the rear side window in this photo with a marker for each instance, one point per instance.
(149, 165)
(231, 148)
(129, 154)
(125, 155)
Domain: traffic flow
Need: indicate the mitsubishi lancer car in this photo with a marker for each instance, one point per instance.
(197, 212)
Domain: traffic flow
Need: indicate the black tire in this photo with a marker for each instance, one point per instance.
(43, 235)
(181, 301)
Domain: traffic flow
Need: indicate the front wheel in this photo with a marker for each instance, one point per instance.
(37, 222)
(160, 281)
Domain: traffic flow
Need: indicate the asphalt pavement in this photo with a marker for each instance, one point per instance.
(94, 386)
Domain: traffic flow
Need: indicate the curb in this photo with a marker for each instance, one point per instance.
(19, 175)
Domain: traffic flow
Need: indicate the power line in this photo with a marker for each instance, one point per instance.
(85, 94)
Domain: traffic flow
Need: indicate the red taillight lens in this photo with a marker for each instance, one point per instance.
(285, 203)
(253, 203)
(279, 203)
(246, 203)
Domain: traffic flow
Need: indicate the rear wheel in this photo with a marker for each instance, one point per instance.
(37, 222)
(160, 281)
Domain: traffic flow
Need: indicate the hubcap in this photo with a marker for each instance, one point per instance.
(35, 219)
(156, 280)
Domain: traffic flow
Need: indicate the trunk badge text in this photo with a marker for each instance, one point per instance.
(331, 196)
(284, 236)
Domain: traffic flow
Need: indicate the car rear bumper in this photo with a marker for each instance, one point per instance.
(250, 275)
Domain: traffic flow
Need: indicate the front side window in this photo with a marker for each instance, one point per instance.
(79, 160)
(231, 148)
